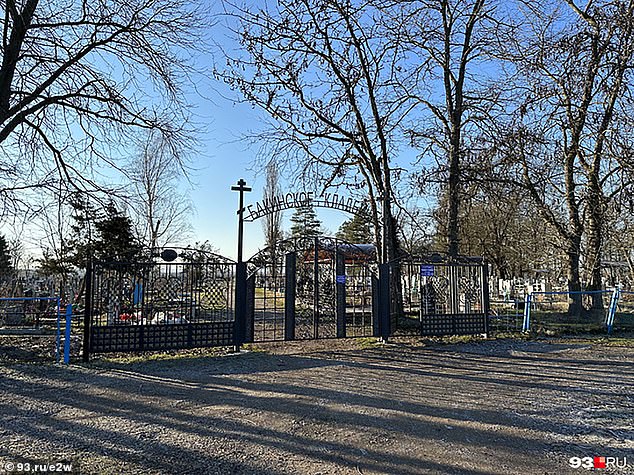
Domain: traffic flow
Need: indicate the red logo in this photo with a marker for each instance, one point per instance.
(599, 462)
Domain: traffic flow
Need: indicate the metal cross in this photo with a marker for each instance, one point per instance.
(241, 188)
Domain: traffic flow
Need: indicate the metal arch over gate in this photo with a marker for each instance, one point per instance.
(178, 298)
(311, 288)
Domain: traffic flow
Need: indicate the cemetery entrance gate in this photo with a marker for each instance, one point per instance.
(300, 289)
(311, 288)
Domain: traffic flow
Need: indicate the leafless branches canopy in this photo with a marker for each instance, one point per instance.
(78, 78)
(324, 72)
(531, 97)
(569, 139)
(157, 202)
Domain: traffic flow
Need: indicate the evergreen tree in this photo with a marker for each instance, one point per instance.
(115, 239)
(81, 243)
(272, 223)
(358, 229)
(6, 267)
(305, 223)
(104, 234)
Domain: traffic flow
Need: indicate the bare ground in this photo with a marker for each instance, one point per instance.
(337, 407)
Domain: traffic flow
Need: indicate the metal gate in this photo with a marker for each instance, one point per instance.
(302, 288)
(435, 295)
(174, 299)
(311, 288)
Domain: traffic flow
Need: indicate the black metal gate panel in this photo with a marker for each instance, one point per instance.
(157, 304)
(267, 297)
(311, 288)
(439, 296)
(361, 294)
(315, 297)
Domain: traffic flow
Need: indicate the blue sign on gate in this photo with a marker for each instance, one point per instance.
(426, 270)
(341, 279)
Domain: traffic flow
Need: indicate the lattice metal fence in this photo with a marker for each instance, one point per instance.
(157, 305)
(434, 296)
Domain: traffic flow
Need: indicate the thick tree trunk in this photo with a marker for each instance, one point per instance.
(392, 255)
(595, 249)
(574, 281)
(453, 238)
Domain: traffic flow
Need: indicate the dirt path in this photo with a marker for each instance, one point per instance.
(497, 407)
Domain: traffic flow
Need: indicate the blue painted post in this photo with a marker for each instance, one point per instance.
(69, 315)
(614, 302)
(527, 313)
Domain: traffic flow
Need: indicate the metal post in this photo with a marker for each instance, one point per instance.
(289, 295)
(241, 188)
(614, 302)
(69, 315)
(527, 313)
(87, 312)
(486, 304)
(340, 282)
(384, 302)
(239, 328)
(316, 291)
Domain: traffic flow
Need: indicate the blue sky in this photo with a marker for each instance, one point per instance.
(225, 158)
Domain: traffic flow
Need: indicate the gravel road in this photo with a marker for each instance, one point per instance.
(340, 407)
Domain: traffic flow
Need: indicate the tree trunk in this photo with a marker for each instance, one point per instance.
(453, 239)
(595, 245)
(574, 281)
(392, 255)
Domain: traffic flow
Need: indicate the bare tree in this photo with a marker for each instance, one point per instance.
(573, 66)
(414, 226)
(449, 42)
(77, 78)
(272, 224)
(498, 221)
(323, 71)
(162, 212)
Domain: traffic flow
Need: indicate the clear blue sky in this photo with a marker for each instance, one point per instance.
(225, 158)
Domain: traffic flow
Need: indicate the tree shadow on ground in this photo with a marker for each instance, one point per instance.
(372, 411)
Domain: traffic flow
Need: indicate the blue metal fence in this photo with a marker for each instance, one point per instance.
(538, 301)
